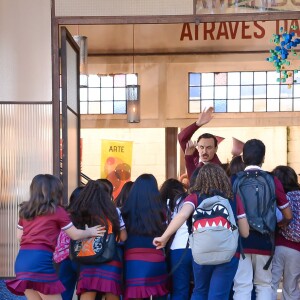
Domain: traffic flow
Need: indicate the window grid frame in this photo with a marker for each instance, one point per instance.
(130, 78)
(265, 98)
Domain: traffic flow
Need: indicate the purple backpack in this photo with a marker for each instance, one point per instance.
(292, 231)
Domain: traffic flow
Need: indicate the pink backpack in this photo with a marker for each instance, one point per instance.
(292, 231)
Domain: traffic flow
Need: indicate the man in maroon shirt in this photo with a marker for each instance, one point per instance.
(204, 150)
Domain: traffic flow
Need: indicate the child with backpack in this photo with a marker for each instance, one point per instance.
(215, 220)
(286, 261)
(94, 206)
(260, 193)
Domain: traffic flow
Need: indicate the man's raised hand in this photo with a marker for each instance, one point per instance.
(205, 116)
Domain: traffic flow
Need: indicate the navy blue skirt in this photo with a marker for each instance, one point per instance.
(34, 270)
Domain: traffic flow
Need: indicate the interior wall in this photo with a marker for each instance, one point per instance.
(148, 152)
(149, 147)
(164, 89)
(25, 112)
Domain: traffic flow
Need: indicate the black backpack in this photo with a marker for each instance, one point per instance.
(94, 250)
(256, 189)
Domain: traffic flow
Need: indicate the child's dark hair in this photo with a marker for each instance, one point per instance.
(93, 206)
(123, 195)
(75, 194)
(254, 152)
(143, 212)
(288, 178)
(169, 190)
(107, 185)
(45, 195)
(236, 165)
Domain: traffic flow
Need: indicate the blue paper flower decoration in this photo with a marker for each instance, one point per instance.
(285, 43)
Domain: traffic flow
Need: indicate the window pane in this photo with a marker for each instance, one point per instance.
(119, 94)
(119, 80)
(107, 81)
(107, 94)
(94, 107)
(296, 90)
(234, 78)
(207, 79)
(285, 91)
(297, 77)
(195, 79)
(120, 107)
(272, 77)
(297, 104)
(194, 93)
(234, 92)
(220, 92)
(247, 91)
(260, 105)
(260, 91)
(83, 94)
(107, 107)
(220, 106)
(272, 104)
(260, 77)
(131, 79)
(273, 91)
(206, 104)
(94, 94)
(246, 78)
(83, 108)
(286, 105)
(208, 92)
(194, 107)
(93, 81)
(220, 78)
(233, 105)
(247, 105)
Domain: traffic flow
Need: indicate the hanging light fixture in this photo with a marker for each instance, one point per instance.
(133, 94)
(83, 55)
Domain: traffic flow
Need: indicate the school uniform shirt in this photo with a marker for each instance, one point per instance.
(257, 243)
(42, 231)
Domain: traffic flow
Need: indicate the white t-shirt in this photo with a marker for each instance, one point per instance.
(122, 224)
(182, 234)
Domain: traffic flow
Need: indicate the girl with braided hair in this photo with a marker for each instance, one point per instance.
(94, 207)
(212, 282)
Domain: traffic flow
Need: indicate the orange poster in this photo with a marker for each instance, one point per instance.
(116, 160)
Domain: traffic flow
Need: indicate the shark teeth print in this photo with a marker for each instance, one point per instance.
(217, 216)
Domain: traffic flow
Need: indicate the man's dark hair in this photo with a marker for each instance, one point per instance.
(254, 152)
(208, 136)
